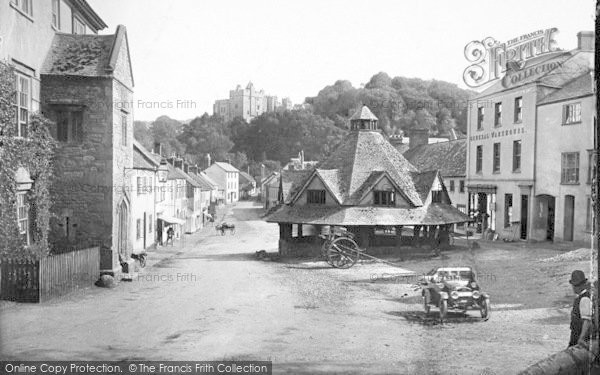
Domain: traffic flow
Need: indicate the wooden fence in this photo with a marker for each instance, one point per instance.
(49, 277)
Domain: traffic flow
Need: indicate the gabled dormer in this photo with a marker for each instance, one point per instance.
(380, 190)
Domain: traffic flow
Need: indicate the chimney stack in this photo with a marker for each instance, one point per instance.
(171, 160)
(418, 137)
(186, 167)
(157, 148)
(585, 40)
(178, 163)
(207, 160)
(193, 168)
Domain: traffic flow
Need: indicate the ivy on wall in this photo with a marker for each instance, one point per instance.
(34, 153)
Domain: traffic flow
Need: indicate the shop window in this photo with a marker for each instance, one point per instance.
(496, 160)
(519, 109)
(571, 113)
(140, 186)
(569, 168)
(315, 197)
(384, 198)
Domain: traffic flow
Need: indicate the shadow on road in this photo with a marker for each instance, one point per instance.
(433, 318)
(223, 257)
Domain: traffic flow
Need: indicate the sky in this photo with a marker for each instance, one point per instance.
(188, 53)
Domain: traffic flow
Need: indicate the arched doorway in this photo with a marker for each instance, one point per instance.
(123, 222)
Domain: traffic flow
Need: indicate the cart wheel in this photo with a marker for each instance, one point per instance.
(343, 253)
(142, 261)
(443, 310)
(485, 309)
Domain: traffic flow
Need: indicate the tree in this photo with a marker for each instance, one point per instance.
(165, 130)
(142, 134)
(205, 135)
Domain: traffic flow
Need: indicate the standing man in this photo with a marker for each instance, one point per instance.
(581, 315)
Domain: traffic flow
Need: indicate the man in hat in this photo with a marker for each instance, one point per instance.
(581, 315)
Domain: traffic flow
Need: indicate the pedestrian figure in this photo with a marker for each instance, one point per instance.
(170, 234)
(581, 315)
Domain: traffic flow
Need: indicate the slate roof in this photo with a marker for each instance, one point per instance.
(359, 155)
(247, 177)
(203, 184)
(142, 158)
(210, 181)
(450, 158)
(178, 174)
(423, 182)
(81, 55)
(226, 166)
(433, 214)
(580, 86)
(291, 181)
(364, 113)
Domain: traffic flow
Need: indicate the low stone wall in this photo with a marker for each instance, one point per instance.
(575, 360)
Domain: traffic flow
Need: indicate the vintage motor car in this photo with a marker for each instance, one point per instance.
(454, 288)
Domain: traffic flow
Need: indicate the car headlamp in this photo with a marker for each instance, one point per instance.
(473, 284)
(454, 294)
(476, 294)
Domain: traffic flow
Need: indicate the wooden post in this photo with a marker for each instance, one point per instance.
(398, 236)
(300, 231)
(416, 235)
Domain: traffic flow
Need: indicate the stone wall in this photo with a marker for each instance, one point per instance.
(83, 185)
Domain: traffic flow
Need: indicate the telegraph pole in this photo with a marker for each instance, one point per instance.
(596, 180)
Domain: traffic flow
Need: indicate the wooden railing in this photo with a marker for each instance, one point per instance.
(49, 277)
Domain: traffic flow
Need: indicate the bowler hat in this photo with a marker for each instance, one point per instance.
(577, 278)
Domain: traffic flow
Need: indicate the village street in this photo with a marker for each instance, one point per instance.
(212, 299)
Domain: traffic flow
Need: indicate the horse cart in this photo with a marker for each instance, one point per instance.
(223, 227)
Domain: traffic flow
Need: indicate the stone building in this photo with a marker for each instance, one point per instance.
(528, 142)
(369, 188)
(87, 89)
(246, 103)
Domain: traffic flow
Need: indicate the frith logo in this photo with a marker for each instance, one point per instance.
(489, 58)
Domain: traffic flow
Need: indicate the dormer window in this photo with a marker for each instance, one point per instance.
(384, 198)
(315, 197)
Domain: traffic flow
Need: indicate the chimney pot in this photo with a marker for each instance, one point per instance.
(585, 40)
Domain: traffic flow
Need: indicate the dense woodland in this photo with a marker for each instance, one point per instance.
(272, 138)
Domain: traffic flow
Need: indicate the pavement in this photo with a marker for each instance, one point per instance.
(209, 298)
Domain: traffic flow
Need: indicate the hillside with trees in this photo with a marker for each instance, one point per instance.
(273, 138)
(400, 103)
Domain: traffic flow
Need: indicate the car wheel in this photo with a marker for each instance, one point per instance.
(443, 310)
(426, 306)
(485, 309)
